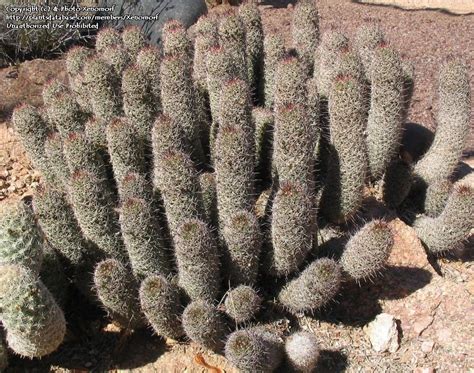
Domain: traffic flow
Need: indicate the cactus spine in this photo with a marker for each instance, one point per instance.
(305, 31)
(302, 351)
(34, 323)
(242, 303)
(273, 51)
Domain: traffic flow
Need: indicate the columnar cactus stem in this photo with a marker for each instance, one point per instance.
(126, 148)
(117, 57)
(326, 55)
(138, 102)
(177, 180)
(264, 124)
(207, 181)
(243, 242)
(305, 32)
(52, 90)
(20, 238)
(384, 126)
(34, 323)
(368, 250)
(397, 183)
(54, 151)
(118, 292)
(250, 16)
(314, 113)
(273, 51)
(96, 133)
(75, 60)
(94, 210)
(436, 197)
(106, 38)
(175, 41)
(252, 350)
(313, 288)
(343, 192)
(232, 37)
(135, 185)
(33, 133)
(453, 124)
(205, 325)
(206, 37)
(290, 82)
(53, 276)
(103, 86)
(292, 229)
(452, 226)
(179, 103)
(160, 302)
(149, 61)
(133, 40)
(198, 261)
(142, 236)
(367, 39)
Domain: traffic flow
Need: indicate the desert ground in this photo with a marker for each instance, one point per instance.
(431, 299)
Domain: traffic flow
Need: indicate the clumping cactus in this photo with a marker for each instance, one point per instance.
(264, 125)
(167, 136)
(198, 261)
(176, 41)
(292, 228)
(21, 241)
(305, 31)
(397, 183)
(453, 120)
(452, 226)
(75, 60)
(252, 350)
(384, 126)
(367, 251)
(160, 302)
(206, 37)
(53, 276)
(34, 323)
(367, 39)
(243, 241)
(52, 90)
(65, 114)
(242, 303)
(207, 181)
(118, 292)
(302, 351)
(142, 236)
(149, 60)
(436, 197)
(274, 51)
(133, 40)
(313, 288)
(204, 324)
(54, 151)
(106, 38)
(95, 213)
(348, 159)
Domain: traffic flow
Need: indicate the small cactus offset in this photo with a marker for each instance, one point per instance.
(160, 302)
(302, 351)
(118, 292)
(252, 350)
(225, 180)
(21, 241)
(34, 323)
(204, 324)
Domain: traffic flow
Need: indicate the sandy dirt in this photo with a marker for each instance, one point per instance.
(433, 300)
(456, 6)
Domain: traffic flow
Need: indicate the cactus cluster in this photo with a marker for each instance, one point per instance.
(206, 170)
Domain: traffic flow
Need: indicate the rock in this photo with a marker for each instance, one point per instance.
(20, 184)
(424, 370)
(420, 325)
(383, 333)
(427, 346)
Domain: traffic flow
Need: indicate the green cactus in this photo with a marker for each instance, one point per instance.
(54, 151)
(53, 276)
(138, 103)
(206, 37)
(250, 16)
(302, 351)
(253, 350)
(368, 250)
(453, 124)
(167, 135)
(293, 228)
(135, 185)
(21, 241)
(107, 37)
(175, 41)
(178, 100)
(343, 192)
(177, 180)
(198, 261)
(34, 323)
(313, 288)
(384, 126)
(397, 183)
(305, 32)
(264, 123)
(234, 165)
(243, 241)
(242, 303)
(94, 210)
(95, 130)
(207, 181)
(436, 197)
(205, 325)
(273, 51)
(126, 148)
(408, 87)
(367, 39)
(133, 40)
(118, 292)
(325, 67)
(452, 226)
(33, 132)
(142, 236)
(116, 57)
(51, 90)
(149, 61)
(76, 58)
(160, 302)
(290, 80)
